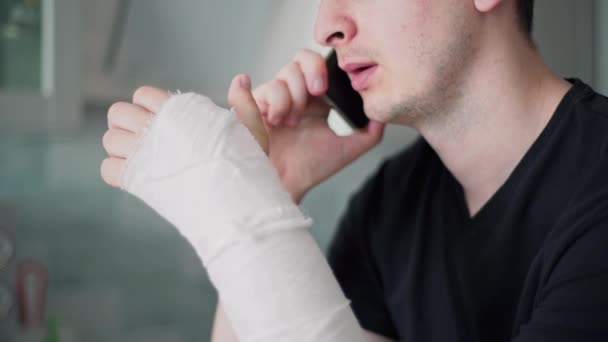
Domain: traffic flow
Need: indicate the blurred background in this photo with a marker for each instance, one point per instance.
(82, 262)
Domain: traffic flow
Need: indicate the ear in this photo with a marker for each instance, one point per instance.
(485, 6)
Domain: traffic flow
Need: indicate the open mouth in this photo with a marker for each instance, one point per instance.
(363, 68)
(361, 77)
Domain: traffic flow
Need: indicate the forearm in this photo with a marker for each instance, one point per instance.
(223, 332)
(281, 288)
(204, 172)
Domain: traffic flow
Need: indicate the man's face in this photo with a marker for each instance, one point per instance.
(418, 50)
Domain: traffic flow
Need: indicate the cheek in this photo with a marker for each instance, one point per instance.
(409, 37)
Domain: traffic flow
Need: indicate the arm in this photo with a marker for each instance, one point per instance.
(203, 171)
(222, 331)
(217, 186)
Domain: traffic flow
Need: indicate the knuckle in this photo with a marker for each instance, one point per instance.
(288, 70)
(279, 86)
(104, 170)
(274, 97)
(263, 90)
(141, 92)
(258, 93)
(115, 110)
(317, 64)
(309, 57)
(107, 139)
(111, 172)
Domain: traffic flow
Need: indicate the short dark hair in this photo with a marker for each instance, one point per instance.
(525, 14)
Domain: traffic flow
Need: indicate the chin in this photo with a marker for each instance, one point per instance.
(379, 114)
(376, 109)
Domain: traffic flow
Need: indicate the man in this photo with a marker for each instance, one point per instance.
(493, 226)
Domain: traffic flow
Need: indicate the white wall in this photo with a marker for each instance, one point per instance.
(563, 31)
(192, 44)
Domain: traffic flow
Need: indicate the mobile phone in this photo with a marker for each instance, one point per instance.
(342, 97)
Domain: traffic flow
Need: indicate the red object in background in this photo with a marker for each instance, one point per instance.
(31, 285)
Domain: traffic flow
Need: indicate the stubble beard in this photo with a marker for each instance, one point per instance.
(443, 93)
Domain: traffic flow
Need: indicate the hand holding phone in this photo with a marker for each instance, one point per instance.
(308, 151)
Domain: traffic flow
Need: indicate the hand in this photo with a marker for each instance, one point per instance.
(199, 166)
(127, 121)
(301, 146)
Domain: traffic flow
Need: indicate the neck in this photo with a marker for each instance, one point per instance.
(507, 100)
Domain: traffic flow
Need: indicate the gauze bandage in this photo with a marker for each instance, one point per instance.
(202, 170)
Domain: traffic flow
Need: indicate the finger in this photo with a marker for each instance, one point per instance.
(261, 101)
(292, 75)
(150, 98)
(119, 143)
(277, 97)
(128, 117)
(241, 99)
(314, 69)
(111, 171)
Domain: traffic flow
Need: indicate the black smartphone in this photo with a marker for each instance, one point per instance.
(342, 97)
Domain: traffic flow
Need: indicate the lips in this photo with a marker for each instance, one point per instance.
(360, 74)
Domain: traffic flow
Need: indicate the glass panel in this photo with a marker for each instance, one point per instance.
(20, 44)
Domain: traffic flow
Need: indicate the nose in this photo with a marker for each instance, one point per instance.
(334, 27)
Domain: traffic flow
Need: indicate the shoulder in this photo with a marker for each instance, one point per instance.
(579, 152)
(594, 104)
(581, 226)
(590, 111)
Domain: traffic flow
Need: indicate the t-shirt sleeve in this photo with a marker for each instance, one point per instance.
(351, 261)
(573, 305)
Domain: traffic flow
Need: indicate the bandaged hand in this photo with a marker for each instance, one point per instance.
(207, 173)
(202, 170)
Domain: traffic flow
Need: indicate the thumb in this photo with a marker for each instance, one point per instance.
(241, 99)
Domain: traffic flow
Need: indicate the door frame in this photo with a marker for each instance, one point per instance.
(57, 103)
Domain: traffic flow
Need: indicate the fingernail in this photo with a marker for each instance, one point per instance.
(245, 82)
(317, 85)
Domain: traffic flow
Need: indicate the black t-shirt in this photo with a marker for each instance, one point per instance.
(531, 265)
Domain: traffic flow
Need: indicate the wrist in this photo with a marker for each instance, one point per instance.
(297, 193)
(297, 197)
